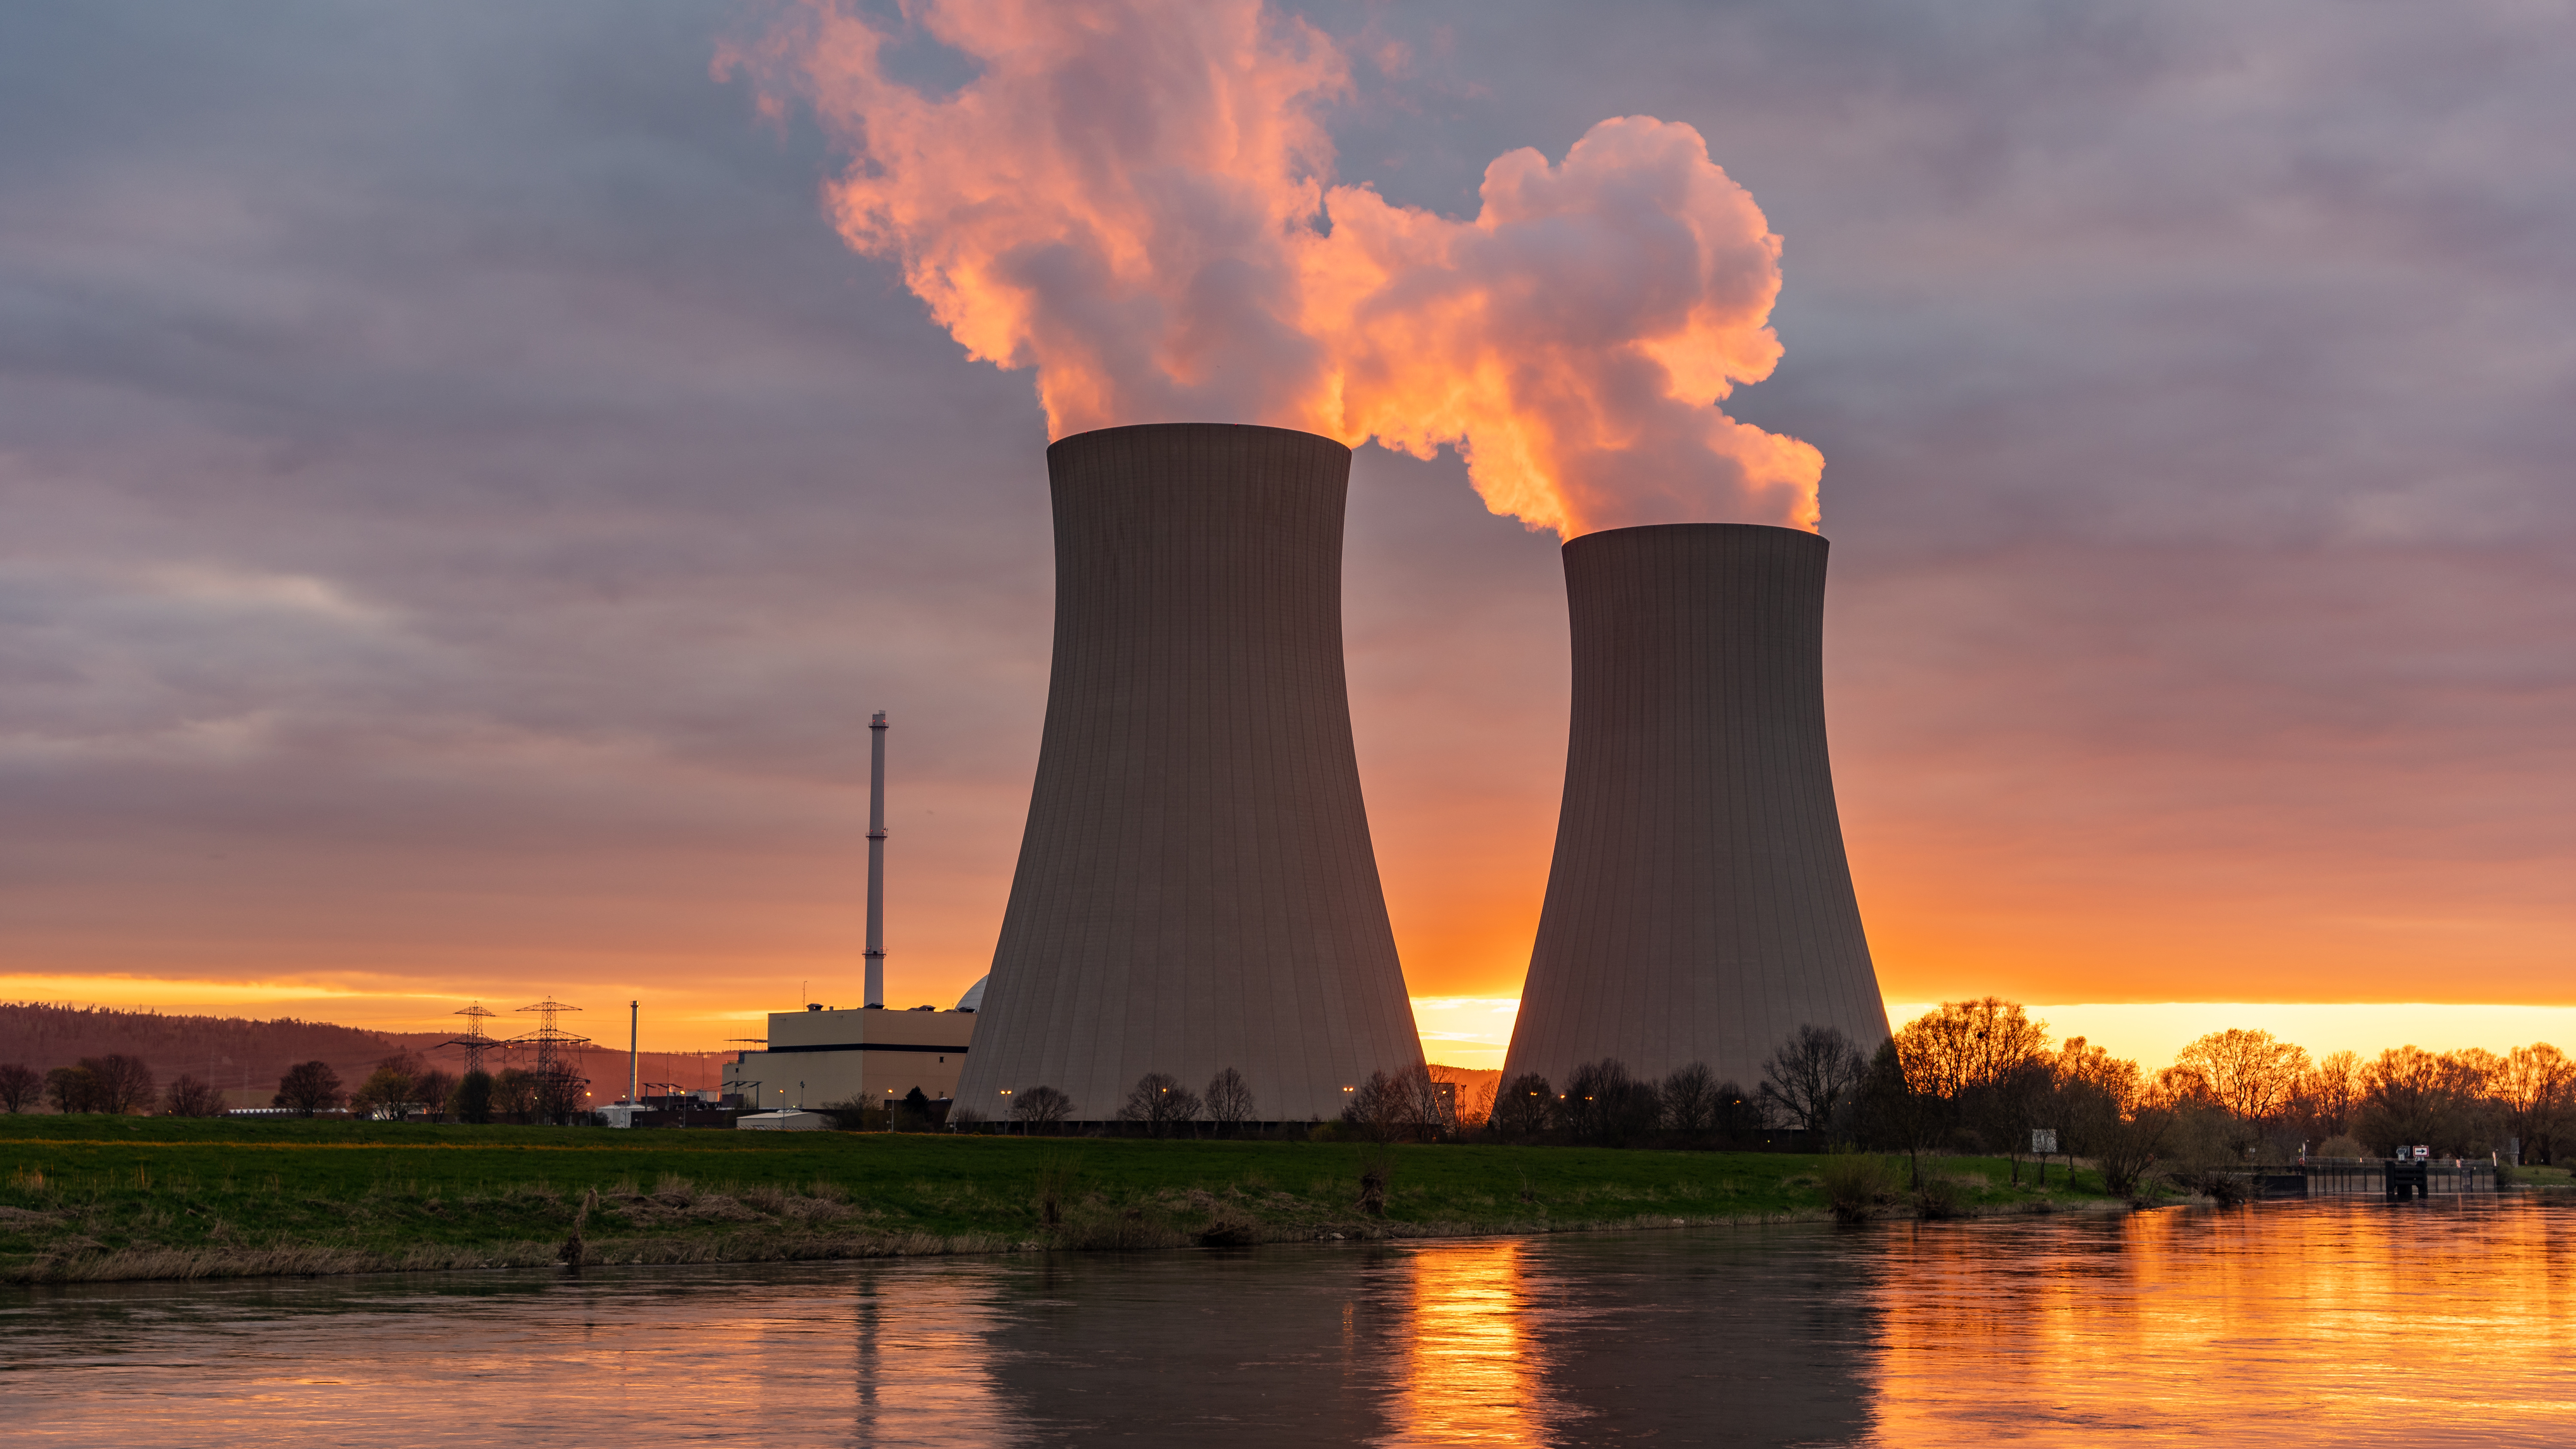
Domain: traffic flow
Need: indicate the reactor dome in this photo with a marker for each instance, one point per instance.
(974, 996)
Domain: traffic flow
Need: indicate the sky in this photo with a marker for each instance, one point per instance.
(461, 498)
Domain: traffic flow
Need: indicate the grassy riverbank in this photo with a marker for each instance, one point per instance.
(86, 1199)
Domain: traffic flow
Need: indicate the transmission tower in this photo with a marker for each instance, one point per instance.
(475, 1041)
(552, 1043)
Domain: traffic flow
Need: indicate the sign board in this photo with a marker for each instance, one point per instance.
(2043, 1140)
(2422, 1152)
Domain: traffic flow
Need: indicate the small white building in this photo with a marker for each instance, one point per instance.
(824, 1058)
(782, 1122)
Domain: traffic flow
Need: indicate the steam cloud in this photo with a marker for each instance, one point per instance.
(1136, 199)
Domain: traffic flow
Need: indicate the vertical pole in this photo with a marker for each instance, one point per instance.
(633, 1015)
(875, 988)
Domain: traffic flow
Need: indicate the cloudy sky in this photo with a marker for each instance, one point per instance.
(460, 500)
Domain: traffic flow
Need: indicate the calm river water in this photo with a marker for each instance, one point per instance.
(2448, 1322)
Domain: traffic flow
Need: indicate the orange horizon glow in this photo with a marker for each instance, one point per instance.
(1468, 1032)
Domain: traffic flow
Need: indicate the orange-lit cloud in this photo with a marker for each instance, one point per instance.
(1137, 200)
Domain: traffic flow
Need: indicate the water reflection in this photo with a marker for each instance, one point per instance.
(2330, 1323)
(2326, 1323)
(1468, 1375)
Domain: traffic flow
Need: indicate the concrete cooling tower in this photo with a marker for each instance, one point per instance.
(1699, 908)
(1196, 888)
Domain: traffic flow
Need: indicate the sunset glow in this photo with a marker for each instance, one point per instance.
(1137, 200)
(462, 512)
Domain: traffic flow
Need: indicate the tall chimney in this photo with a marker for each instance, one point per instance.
(1700, 908)
(873, 991)
(1196, 888)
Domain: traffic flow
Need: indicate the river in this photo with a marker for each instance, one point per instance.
(2341, 1322)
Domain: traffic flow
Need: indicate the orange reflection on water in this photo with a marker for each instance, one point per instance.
(2331, 1323)
(1467, 1377)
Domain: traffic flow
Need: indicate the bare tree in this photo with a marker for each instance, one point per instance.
(1602, 1103)
(1812, 1076)
(514, 1094)
(394, 1084)
(2332, 1093)
(1229, 1099)
(1523, 1106)
(123, 1084)
(2250, 1075)
(189, 1097)
(309, 1088)
(1433, 1103)
(1967, 1044)
(21, 1087)
(1381, 1108)
(1160, 1104)
(2536, 1089)
(1897, 1113)
(387, 1088)
(1739, 1112)
(1041, 1107)
(559, 1093)
(2412, 1096)
(2009, 1107)
(72, 1089)
(432, 1089)
(1690, 1098)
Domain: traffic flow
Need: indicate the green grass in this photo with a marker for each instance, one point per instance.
(92, 1197)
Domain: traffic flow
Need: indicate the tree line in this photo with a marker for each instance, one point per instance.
(401, 1086)
(1971, 1076)
(113, 1082)
(1980, 1075)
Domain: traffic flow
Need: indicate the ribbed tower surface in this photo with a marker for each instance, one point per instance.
(1196, 889)
(1699, 908)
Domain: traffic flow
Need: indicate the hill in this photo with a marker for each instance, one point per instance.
(245, 1056)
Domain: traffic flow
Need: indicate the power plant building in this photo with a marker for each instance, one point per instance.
(1196, 889)
(1699, 907)
(819, 1057)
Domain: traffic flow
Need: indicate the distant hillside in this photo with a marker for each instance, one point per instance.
(1476, 1088)
(245, 1057)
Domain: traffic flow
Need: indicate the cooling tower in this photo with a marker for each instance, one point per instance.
(1196, 888)
(1699, 908)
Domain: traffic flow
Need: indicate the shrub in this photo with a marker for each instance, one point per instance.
(2224, 1188)
(1938, 1197)
(1857, 1185)
(1375, 1169)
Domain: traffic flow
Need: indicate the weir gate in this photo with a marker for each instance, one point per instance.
(2398, 1180)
